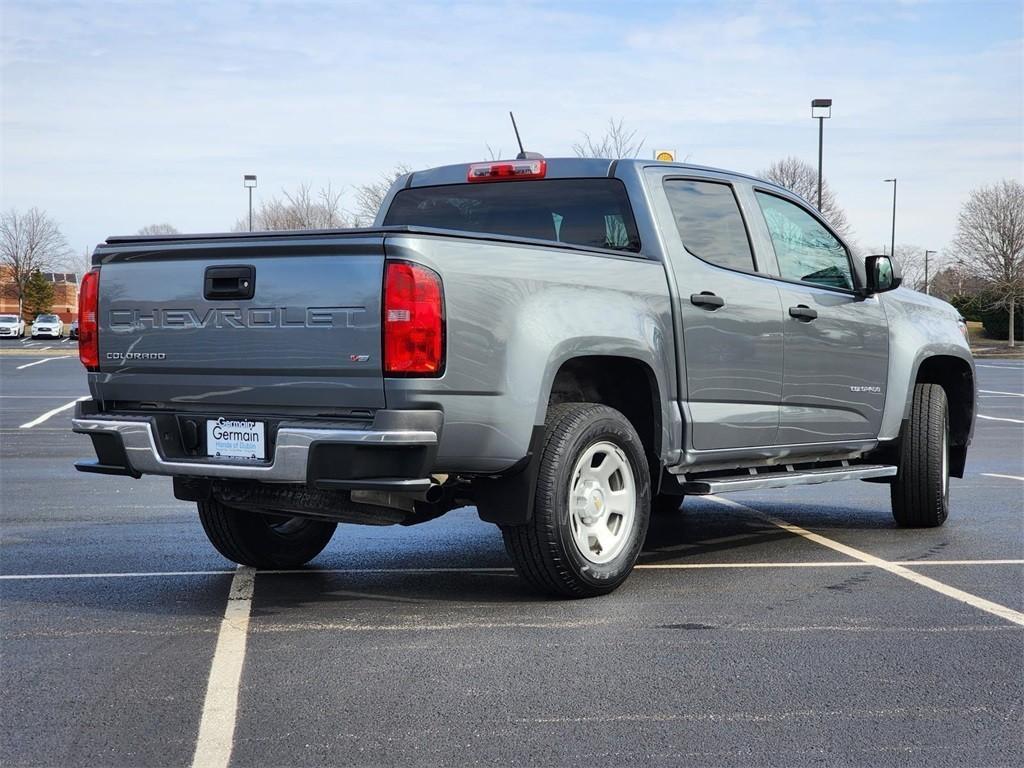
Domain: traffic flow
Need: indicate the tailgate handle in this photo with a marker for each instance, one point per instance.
(232, 282)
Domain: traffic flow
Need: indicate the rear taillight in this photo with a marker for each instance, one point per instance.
(413, 321)
(88, 338)
(507, 170)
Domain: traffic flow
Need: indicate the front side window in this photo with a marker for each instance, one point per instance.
(709, 222)
(805, 250)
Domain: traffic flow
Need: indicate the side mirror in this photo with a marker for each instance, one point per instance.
(882, 275)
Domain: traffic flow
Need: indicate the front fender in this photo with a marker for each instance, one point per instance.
(920, 328)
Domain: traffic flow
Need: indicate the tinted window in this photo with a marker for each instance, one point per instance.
(805, 250)
(592, 212)
(709, 222)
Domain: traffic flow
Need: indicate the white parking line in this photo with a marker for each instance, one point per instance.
(995, 392)
(217, 726)
(1007, 367)
(1005, 477)
(40, 362)
(386, 571)
(998, 418)
(896, 569)
(39, 420)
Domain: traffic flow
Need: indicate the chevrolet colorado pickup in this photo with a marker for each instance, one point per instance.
(566, 344)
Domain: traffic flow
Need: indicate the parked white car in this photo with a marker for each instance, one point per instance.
(47, 325)
(12, 325)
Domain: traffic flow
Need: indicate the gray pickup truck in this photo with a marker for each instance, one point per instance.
(567, 344)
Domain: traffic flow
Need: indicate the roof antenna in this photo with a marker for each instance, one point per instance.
(523, 154)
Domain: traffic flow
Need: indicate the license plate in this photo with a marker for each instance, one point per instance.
(235, 438)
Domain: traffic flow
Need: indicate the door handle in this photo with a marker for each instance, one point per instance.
(803, 313)
(707, 300)
(229, 282)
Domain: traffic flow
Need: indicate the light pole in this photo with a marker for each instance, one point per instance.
(892, 246)
(927, 283)
(821, 110)
(249, 182)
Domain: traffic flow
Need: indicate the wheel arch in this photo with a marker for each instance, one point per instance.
(625, 382)
(956, 377)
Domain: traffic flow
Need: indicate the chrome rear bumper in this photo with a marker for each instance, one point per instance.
(293, 451)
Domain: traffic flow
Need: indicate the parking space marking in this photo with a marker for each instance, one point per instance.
(896, 569)
(996, 392)
(1006, 367)
(1006, 477)
(499, 571)
(999, 418)
(40, 362)
(40, 419)
(220, 708)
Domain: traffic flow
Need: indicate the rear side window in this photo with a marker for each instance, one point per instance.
(709, 222)
(592, 212)
(805, 250)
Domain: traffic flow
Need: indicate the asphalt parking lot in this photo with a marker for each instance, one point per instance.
(793, 627)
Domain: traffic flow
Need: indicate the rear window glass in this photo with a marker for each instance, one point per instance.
(592, 212)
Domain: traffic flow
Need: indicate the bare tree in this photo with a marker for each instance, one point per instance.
(370, 197)
(158, 229)
(618, 142)
(802, 179)
(990, 241)
(301, 209)
(30, 242)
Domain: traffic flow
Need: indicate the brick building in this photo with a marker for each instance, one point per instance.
(65, 294)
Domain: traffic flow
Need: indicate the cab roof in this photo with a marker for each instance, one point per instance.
(571, 168)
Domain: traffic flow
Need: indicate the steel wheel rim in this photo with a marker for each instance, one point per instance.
(602, 502)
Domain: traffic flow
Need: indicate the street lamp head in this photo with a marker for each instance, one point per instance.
(821, 108)
(889, 181)
(249, 180)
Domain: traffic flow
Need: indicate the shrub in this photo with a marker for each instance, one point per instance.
(996, 322)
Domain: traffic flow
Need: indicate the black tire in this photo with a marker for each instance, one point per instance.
(543, 550)
(920, 492)
(263, 541)
(666, 504)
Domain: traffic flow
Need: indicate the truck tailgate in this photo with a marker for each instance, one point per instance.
(260, 322)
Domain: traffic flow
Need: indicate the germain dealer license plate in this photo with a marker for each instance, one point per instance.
(235, 438)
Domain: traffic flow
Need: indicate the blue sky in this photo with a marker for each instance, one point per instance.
(115, 115)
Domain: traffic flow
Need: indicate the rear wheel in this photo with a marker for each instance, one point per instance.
(263, 541)
(920, 492)
(591, 507)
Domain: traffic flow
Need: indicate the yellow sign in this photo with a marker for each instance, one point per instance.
(665, 155)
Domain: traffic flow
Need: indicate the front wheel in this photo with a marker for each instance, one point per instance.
(920, 492)
(591, 507)
(263, 541)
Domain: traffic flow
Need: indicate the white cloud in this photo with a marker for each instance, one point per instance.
(118, 116)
